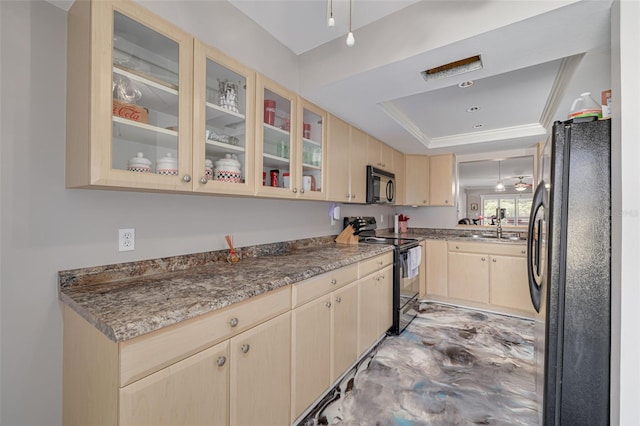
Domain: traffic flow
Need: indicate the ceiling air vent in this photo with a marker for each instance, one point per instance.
(453, 68)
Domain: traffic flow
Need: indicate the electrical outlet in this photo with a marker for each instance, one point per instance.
(126, 239)
(381, 218)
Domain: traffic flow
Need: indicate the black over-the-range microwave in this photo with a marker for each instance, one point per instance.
(381, 186)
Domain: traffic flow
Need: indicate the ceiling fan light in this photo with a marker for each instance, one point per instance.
(500, 187)
(521, 188)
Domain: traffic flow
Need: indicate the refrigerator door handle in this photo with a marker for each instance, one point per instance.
(534, 241)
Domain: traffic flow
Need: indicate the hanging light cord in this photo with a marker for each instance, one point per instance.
(350, 39)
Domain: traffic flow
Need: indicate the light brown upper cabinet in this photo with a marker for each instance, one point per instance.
(129, 99)
(347, 159)
(442, 186)
(223, 116)
(379, 154)
(311, 158)
(399, 171)
(338, 159)
(276, 144)
(416, 180)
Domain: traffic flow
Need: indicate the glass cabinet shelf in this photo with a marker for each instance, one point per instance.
(143, 133)
(216, 146)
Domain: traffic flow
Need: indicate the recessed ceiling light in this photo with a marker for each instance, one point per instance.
(478, 126)
(473, 109)
(467, 83)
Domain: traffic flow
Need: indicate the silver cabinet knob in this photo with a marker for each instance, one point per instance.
(338, 299)
(494, 261)
(186, 178)
(221, 360)
(204, 180)
(245, 348)
(334, 282)
(295, 190)
(353, 196)
(302, 190)
(348, 195)
(233, 322)
(328, 304)
(380, 262)
(424, 201)
(523, 251)
(483, 259)
(446, 201)
(457, 247)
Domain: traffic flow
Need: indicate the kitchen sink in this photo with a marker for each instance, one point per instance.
(495, 237)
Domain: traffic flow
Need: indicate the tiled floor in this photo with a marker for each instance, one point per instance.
(451, 366)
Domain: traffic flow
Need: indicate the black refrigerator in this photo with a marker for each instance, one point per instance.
(569, 268)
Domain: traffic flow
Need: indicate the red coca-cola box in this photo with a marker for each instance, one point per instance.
(130, 111)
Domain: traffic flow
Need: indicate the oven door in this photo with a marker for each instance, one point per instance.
(409, 278)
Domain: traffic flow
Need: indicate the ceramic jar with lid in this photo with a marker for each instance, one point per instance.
(139, 164)
(208, 169)
(228, 169)
(167, 165)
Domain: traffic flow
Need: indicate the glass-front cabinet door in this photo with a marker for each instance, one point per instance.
(275, 143)
(141, 86)
(224, 113)
(311, 137)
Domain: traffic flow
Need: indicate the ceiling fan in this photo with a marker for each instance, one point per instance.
(521, 185)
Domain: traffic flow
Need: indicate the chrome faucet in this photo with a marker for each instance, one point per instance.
(499, 229)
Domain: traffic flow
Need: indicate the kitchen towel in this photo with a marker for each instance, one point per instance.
(414, 257)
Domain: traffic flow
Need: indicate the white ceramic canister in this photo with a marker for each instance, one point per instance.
(139, 164)
(208, 169)
(167, 165)
(228, 169)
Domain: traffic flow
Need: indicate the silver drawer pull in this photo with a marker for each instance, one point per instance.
(221, 360)
(523, 251)
(233, 322)
(328, 304)
(457, 247)
(493, 260)
(380, 262)
(245, 348)
(483, 259)
(334, 282)
(338, 299)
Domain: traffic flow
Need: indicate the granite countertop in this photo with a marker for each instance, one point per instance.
(479, 235)
(130, 299)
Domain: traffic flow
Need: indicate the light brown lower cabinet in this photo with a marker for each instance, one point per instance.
(232, 366)
(375, 307)
(436, 267)
(329, 332)
(254, 362)
(193, 391)
(491, 274)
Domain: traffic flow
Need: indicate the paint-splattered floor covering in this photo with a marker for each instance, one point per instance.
(451, 366)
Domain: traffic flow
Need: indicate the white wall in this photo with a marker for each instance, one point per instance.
(46, 228)
(625, 347)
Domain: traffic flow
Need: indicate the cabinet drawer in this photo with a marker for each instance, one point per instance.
(487, 248)
(369, 266)
(322, 284)
(151, 352)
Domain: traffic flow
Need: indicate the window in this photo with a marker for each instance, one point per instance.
(514, 209)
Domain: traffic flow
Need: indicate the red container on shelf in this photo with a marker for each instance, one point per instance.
(274, 177)
(306, 131)
(269, 111)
